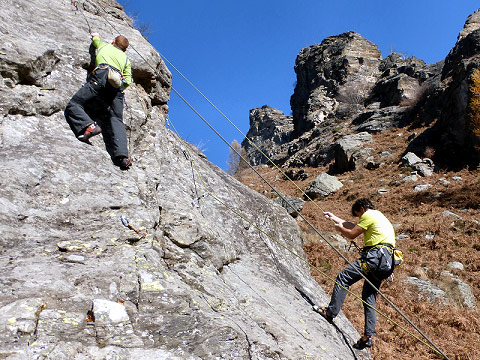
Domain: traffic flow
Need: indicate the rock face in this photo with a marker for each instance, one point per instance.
(344, 83)
(350, 152)
(269, 130)
(323, 71)
(454, 125)
(76, 284)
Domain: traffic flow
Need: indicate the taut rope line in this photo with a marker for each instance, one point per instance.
(432, 345)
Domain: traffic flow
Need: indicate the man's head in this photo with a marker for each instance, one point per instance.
(121, 42)
(361, 205)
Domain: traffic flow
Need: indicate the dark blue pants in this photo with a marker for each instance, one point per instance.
(346, 278)
(99, 101)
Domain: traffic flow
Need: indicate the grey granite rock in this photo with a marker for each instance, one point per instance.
(76, 283)
(323, 185)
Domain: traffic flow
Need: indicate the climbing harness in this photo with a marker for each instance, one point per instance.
(430, 344)
(377, 261)
(126, 222)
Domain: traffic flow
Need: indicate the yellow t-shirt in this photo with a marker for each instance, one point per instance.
(378, 228)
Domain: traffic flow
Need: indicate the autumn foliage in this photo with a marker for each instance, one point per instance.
(475, 104)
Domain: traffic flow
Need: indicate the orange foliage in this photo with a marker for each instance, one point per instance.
(475, 104)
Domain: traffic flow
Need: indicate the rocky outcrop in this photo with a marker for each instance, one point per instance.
(471, 24)
(345, 65)
(456, 139)
(343, 84)
(76, 283)
(269, 131)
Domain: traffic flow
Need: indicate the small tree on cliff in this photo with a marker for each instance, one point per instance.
(234, 157)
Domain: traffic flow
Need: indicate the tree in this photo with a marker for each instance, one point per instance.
(475, 104)
(234, 157)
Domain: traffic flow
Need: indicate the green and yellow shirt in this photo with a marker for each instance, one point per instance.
(113, 56)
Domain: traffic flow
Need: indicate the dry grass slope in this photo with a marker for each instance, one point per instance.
(453, 328)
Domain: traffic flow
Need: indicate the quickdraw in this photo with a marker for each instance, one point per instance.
(75, 5)
(126, 222)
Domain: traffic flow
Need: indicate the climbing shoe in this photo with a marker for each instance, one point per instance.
(363, 342)
(123, 162)
(323, 312)
(91, 130)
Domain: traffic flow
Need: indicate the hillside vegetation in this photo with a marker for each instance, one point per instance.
(431, 238)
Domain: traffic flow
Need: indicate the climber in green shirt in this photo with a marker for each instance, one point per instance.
(110, 54)
(101, 98)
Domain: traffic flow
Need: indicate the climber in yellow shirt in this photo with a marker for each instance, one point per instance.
(376, 263)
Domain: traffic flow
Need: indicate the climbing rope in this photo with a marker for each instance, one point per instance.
(244, 135)
(430, 344)
(75, 4)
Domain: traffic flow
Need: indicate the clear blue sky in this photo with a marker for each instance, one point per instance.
(241, 54)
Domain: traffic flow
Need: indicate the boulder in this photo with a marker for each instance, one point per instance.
(350, 152)
(291, 204)
(323, 185)
(456, 265)
(450, 214)
(429, 290)
(410, 159)
(423, 167)
(422, 187)
(458, 290)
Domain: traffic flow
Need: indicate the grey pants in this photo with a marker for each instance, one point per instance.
(348, 277)
(98, 101)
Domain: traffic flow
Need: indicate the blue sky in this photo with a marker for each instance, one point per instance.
(241, 54)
